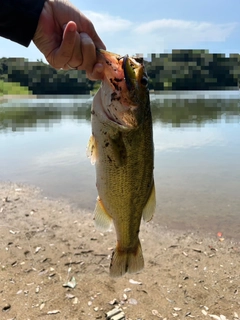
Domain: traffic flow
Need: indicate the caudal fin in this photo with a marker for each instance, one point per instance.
(126, 261)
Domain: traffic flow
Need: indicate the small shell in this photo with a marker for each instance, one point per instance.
(53, 312)
(135, 282)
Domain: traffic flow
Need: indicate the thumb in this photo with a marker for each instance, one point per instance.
(64, 53)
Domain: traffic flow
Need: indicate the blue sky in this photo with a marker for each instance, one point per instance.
(155, 26)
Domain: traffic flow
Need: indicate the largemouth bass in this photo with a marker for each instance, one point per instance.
(121, 147)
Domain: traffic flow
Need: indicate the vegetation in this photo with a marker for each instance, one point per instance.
(179, 70)
(193, 70)
(13, 88)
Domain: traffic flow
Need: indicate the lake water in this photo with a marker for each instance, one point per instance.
(197, 155)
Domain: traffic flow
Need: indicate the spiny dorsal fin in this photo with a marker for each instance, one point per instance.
(102, 219)
(92, 150)
(149, 209)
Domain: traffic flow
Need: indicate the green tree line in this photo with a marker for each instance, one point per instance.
(178, 70)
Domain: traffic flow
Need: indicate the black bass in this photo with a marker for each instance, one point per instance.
(121, 147)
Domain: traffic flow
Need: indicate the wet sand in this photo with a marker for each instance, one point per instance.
(48, 243)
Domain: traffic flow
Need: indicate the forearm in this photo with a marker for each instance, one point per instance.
(19, 19)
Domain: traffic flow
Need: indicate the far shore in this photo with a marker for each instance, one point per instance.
(17, 96)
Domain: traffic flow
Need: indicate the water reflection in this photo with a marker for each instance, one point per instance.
(176, 112)
(197, 154)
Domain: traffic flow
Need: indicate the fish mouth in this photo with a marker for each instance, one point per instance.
(129, 73)
(130, 67)
(123, 93)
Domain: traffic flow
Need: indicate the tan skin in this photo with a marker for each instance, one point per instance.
(68, 39)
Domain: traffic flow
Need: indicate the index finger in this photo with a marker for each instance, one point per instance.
(88, 27)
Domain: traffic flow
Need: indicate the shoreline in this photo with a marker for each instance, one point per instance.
(173, 228)
(7, 97)
(45, 242)
(152, 93)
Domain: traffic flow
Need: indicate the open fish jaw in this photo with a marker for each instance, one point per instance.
(122, 93)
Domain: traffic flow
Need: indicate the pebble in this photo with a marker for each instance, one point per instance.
(37, 249)
(125, 297)
(42, 305)
(115, 313)
(112, 302)
(132, 301)
(6, 307)
(156, 313)
(53, 312)
(135, 282)
(71, 284)
(75, 300)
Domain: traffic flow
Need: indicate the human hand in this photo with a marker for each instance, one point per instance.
(68, 39)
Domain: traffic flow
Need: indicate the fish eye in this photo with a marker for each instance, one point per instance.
(144, 81)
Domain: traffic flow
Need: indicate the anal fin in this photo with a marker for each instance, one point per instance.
(149, 209)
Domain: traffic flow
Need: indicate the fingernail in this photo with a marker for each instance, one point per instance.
(98, 72)
(98, 67)
(72, 27)
(85, 38)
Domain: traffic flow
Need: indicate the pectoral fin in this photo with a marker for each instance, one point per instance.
(118, 150)
(102, 219)
(92, 150)
(150, 206)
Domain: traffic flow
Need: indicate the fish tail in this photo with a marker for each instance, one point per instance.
(130, 261)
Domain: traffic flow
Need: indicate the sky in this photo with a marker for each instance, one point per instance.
(155, 26)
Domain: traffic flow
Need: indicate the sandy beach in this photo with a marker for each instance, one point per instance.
(54, 265)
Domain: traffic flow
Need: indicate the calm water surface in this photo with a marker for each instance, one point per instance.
(197, 155)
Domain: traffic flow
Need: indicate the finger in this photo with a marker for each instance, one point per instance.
(97, 41)
(97, 73)
(87, 26)
(98, 69)
(77, 56)
(89, 61)
(88, 53)
(63, 54)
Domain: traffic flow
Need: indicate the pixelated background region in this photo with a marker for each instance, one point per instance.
(197, 151)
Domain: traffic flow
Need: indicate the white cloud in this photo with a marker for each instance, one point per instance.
(182, 31)
(124, 36)
(103, 22)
